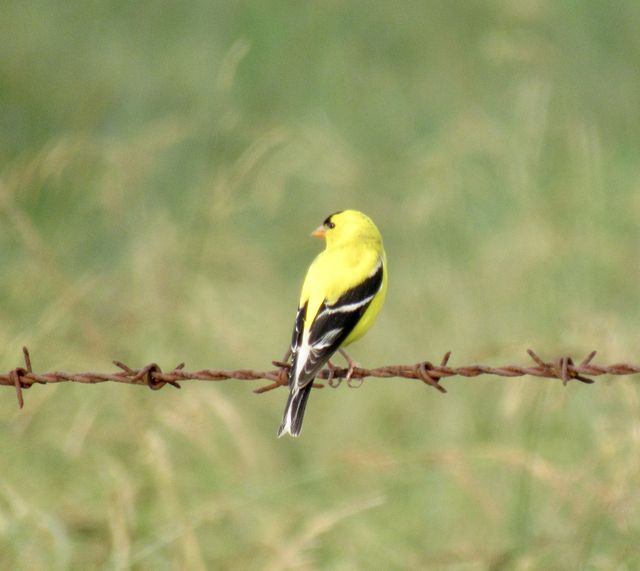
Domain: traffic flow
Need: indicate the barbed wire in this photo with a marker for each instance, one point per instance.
(152, 375)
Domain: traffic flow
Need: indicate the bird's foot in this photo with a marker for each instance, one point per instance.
(352, 383)
(332, 380)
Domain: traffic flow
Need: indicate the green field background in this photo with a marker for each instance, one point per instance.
(161, 167)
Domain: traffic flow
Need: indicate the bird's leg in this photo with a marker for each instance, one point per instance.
(332, 381)
(352, 365)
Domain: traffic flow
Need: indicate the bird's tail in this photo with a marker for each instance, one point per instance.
(294, 411)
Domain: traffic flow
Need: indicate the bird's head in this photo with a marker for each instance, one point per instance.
(347, 226)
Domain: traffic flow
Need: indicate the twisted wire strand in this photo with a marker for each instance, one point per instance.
(152, 375)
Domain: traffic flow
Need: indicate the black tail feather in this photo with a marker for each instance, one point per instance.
(294, 411)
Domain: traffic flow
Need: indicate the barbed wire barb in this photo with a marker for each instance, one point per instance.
(152, 376)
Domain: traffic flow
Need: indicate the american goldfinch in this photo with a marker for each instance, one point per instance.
(341, 296)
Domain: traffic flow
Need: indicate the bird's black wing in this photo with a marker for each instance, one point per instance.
(331, 326)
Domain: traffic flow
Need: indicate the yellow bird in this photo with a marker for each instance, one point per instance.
(341, 296)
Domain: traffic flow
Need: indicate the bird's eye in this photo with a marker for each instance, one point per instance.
(328, 223)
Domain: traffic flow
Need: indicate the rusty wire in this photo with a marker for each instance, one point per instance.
(152, 375)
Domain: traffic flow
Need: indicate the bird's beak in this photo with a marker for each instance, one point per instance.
(319, 232)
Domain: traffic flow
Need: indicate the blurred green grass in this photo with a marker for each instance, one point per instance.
(161, 166)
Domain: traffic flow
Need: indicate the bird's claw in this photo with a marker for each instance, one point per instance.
(332, 380)
(353, 365)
